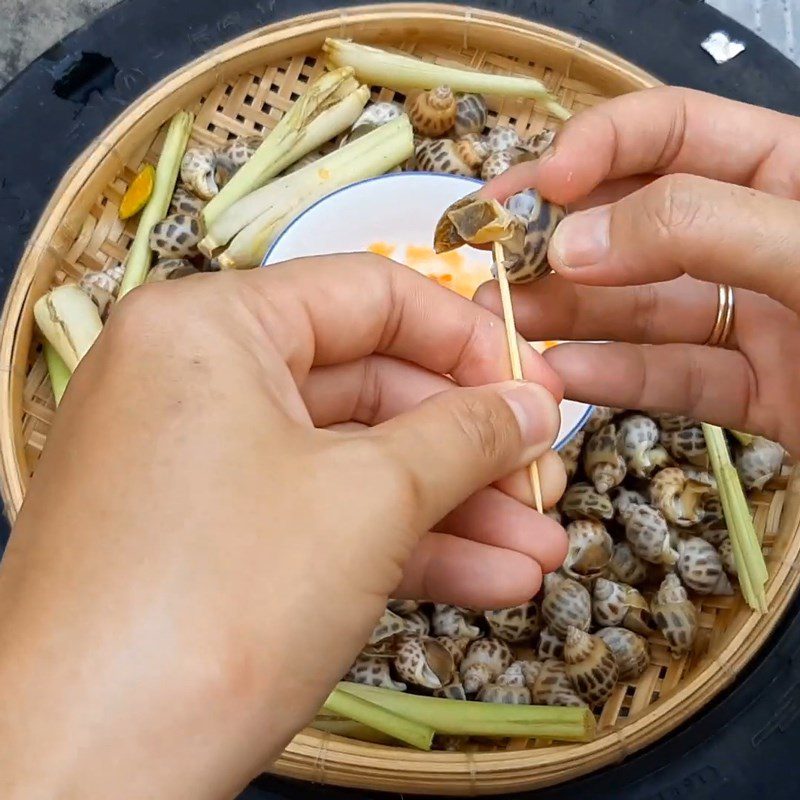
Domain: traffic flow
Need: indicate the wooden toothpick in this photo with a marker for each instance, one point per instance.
(513, 351)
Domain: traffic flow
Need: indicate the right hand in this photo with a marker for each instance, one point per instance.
(681, 191)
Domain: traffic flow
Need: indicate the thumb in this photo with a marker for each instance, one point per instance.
(680, 224)
(465, 439)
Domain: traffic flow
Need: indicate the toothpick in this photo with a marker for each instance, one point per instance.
(513, 352)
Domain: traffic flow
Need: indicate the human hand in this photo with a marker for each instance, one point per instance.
(197, 562)
(682, 191)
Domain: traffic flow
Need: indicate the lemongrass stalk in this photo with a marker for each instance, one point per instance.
(169, 165)
(743, 438)
(358, 709)
(366, 157)
(294, 136)
(58, 371)
(69, 321)
(352, 730)
(470, 718)
(750, 564)
(392, 70)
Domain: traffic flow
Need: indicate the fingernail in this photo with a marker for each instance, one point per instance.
(582, 239)
(537, 415)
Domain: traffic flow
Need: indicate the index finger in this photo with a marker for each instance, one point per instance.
(661, 131)
(336, 309)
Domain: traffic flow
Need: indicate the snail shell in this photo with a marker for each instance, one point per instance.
(433, 113)
(102, 286)
(700, 567)
(566, 604)
(674, 422)
(453, 691)
(198, 169)
(515, 624)
(233, 155)
(711, 526)
(496, 163)
(169, 269)
(486, 660)
(701, 475)
(637, 443)
(471, 114)
(583, 501)
(626, 566)
(373, 671)
(442, 155)
(472, 150)
(422, 661)
(176, 236)
(516, 673)
(590, 548)
(648, 535)
(679, 499)
(537, 145)
(503, 137)
(759, 462)
(456, 646)
(417, 623)
(372, 117)
(390, 624)
(550, 645)
(185, 201)
(623, 500)
(618, 604)
(727, 558)
(601, 416)
(687, 444)
(675, 615)
(591, 667)
(630, 651)
(452, 621)
(604, 466)
(402, 607)
(553, 687)
(503, 693)
(571, 452)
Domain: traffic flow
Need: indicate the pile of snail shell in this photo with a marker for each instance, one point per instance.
(647, 540)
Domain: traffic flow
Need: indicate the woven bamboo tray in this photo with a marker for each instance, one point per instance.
(246, 86)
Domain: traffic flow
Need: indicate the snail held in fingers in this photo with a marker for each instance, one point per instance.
(591, 667)
(630, 651)
(374, 671)
(615, 604)
(515, 624)
(678, 498)
(566, 604)
(433, 113)
(486, 660)
(675, 615)
(603, 464)
(637, 442)
(590, 549)
(700, 567)
(424, 662)
(198, 172)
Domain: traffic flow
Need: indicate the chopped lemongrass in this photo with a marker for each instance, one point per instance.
(261, 216)
(169, 164)
(331, 104)
(351, 730)
(743, 438)
(394, 71)
(471, 718)
(375, 716)
(750, 564)
(58, 371)
(70, 321)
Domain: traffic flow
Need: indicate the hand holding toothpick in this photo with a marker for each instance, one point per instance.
(513, 351)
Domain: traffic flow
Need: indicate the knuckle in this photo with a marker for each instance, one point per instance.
(645, 311)
(483, 427)
(673, 205)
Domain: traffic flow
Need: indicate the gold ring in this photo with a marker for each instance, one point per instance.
(723, 325)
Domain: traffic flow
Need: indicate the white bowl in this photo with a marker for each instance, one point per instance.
(395, 215)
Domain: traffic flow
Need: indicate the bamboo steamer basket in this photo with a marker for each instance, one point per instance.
(245, 87)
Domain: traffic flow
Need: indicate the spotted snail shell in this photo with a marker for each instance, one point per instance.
(472, 150)
(571, 452)
(701, 475)
(637, 442)
(623, 500)
(601, 416)
(675, 615)
(591, 667)
(486, 659)
(424, 662)
(759, 462)
(630, 651)
(687, 444)
(503, 137)
(433, 113)
(417, 623)
(679, 499)
(198, 169)
(604, 466)
(583, 501)
(176, 236)
(168, 269)
(674, 422)
(372, 117)
(553, 687)
(103, 286)
(233, 155)
(390, 624)
(442, 155)
(550, 645)
(626, 566)
(501, 693)
(496, 163)
(700, 567)
(471, 114)
(402, 606)
(727, 558)
(617, 604)
(566, 604)
(590, 548)
(515, 624)
(648, 535)
(452, 621)
(453, 691)
(184, 201)
(456, 646)
(374, 671)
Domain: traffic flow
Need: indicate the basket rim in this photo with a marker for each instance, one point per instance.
(311, 753)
